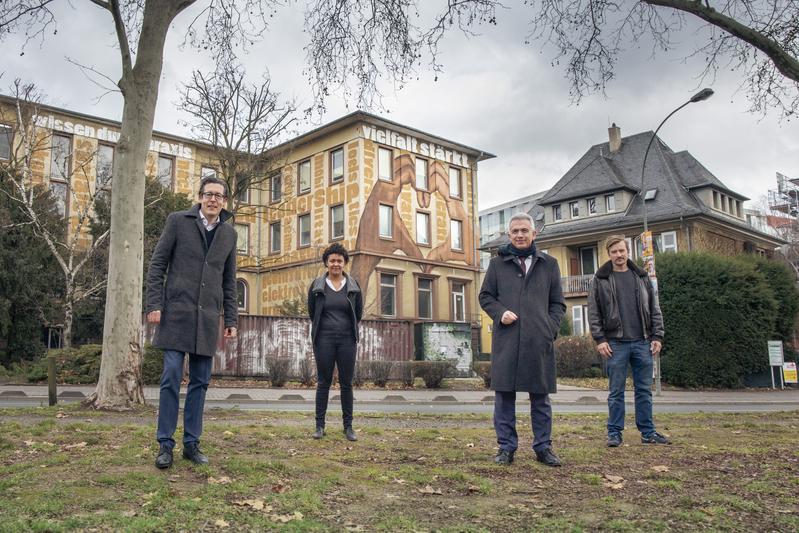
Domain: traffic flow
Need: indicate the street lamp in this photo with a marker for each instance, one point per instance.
(646, 237)
(704, 94)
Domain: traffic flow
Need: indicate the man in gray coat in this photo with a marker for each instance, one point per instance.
(522, 294)
(197, 255)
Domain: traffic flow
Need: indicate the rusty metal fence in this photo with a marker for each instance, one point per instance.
(262, 337)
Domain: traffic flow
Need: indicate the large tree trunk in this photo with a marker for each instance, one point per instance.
(119, 385)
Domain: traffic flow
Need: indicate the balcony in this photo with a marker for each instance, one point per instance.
(576, 285)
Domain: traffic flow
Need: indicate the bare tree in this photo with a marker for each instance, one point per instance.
(241, 122)
(67, 245)
(759, 38)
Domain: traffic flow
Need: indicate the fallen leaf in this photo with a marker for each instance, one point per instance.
(283, 518)
(660, 468)
(258, 505)
(227, 433)
(615, 486)
(427, 489)
(61, 415)
(399, 481)
(420, 459)
(473, 488)
(74, 446)
(221, 523)
(29, 442)
(279, 488)
(224, 480)
(613, 479)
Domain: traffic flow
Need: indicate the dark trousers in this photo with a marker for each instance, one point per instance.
(334, 350)
(505, 420)
(169, 399)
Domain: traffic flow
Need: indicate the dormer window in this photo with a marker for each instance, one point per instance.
(610, 203)
(556, 212)
(591, 203)
(574, 208)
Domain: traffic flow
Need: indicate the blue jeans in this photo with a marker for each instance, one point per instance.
(637, 355)
(169, 400)
(505, 420)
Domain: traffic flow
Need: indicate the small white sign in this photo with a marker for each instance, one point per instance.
(775, 353)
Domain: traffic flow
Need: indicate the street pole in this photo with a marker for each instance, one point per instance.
(646, 237)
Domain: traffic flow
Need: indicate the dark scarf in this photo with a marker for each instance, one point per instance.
(509, 249)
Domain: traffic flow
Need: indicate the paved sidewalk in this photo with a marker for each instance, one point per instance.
(566, 395)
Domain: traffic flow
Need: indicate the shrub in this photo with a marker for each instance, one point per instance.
(483, 370)
(406, 372)
(719, 313)
(379, 371)
(152, 365)
(74, 366)
(307, 371)
(565, 327)
(576, 357)
(433, 372)
(780, 277)
(360, 374)
(278, 369)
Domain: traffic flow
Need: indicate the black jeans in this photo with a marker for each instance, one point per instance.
(334, 349)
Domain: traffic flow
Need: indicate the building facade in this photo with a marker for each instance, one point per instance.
(402, 201)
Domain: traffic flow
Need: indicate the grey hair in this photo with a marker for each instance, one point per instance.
(521, 216)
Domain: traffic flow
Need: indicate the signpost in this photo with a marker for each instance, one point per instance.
(776, 359)
(789, 372)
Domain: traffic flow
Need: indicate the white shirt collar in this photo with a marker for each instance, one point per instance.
(206, 225)
(330, 284)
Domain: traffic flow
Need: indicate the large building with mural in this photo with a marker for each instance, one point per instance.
(403, 201)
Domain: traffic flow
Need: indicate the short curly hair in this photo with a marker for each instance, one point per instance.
(335, 248)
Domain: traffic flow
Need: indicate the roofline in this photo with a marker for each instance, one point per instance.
(587, 194)
(363, 116)
(738, 196)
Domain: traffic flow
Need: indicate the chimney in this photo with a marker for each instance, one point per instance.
(614, 133)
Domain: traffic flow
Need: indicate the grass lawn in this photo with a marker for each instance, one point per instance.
(68, 468)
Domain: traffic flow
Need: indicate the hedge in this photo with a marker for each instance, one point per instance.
(576, 357)
(719, 313)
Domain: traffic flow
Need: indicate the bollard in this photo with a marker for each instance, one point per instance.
(52, 393)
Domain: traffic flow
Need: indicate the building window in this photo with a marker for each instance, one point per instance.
(276, 188)
(588, 260)
(60, 171)
(241, 294)
(424, 296)
(243, 189)
(304, 230)
(556, 212)
(337, 222)
(591, 204)
(166, 171)
(304, 177)
(388, 294)
(207, 172)
(274, 237)
(579, 315)
(337, 165)
(385, 167)
(610, 203)
(455, 182)
(456, 231)
(60, 158)
(105, 164)
(243, 241)
(421, 174)
(423, 228)
(574, 208)
(6, 134)
(738, 208)
(716, 200)
(386, 221)
(668, 241)
(458, 301)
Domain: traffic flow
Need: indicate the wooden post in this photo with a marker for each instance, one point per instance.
(51, 385)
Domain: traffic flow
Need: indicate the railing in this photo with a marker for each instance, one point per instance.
(576, 284)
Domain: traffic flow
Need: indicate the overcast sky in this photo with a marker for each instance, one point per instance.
(496, 94)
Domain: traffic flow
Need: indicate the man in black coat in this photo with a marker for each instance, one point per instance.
(522, 294)
(197, 255)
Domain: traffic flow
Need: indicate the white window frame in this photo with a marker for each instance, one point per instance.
(574, 207)
(333, 235)
(458, 301)
(333, 177)
(455, 178)
(423, 237)
(671, 246)
(456, 229)
(420, 161)
(300, 166)
(610, 203)
(589, 202)
(7, 133)
(387, 210)
(578, 320)
(300, 242)
(393, 287)
(103, 185)
(429, 291)
(275, 193)
(272, 225)
(246, 294)
(557, 212)
(381, 152)
(159, 176)
(242, 248)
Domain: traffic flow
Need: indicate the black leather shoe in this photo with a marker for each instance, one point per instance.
(614, 440)
(164, 459)
(350, 434)
(547, 457)
(655, 438)
(504, 457)
(192, 453)
(319, 433)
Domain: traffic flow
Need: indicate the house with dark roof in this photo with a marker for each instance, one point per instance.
(687, 208)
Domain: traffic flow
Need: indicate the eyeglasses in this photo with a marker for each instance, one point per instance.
(215, 195)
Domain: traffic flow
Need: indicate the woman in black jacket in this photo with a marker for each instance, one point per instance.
(335, 306)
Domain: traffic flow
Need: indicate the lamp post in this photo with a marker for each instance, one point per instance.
(646, 237)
